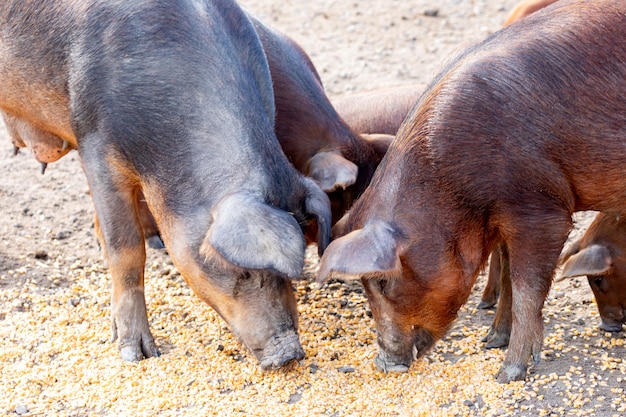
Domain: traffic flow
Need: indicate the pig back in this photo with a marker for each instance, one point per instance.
(528, 115)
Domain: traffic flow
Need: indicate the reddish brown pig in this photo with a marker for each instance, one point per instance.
(525, 8)
(509, 139)
(601, 255)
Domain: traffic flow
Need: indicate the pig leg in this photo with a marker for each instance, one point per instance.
(500, 330)
(492, 289)
(148, 224)
(532, 263)
(114, 197)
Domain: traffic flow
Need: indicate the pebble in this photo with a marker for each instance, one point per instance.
(63, 235)
(294, 398)
(313, 368)
(20, 410)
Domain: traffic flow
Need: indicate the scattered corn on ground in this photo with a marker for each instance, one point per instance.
(57, 359)
(55, 355)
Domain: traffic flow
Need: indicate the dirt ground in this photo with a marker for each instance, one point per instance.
(55, 355)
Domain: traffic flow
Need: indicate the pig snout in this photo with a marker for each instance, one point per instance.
(398, 351)
(280, 351)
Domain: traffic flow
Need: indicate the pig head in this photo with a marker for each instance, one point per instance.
(599, 255)
(156, 102)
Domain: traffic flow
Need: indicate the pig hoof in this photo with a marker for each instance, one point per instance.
(383, 366)
(610, 327)
(486, 304)
(155, 242)
(131, 354)
(495, 340)
(135, 353)
(509, 373)
(150, 350)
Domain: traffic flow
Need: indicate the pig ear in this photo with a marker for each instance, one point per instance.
(331, 171)
(593, 260)
(373, 249)
(318, 205)
(571, 250)
(251, 234)
(379, 142)
(340, 228)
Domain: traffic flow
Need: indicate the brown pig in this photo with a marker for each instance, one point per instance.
(601, 255)
(379, 111)
(514, 135)
(317, 141)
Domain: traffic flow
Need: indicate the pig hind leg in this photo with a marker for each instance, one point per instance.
(500, 331)
(115, 197)
(533, 254)
(491, 292)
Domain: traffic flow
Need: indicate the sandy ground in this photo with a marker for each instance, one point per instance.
(56, 358)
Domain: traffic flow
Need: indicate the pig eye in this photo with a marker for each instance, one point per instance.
(382, 283)
(597, 281)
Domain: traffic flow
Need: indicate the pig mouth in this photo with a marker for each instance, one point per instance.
(611, 324)
(280, 351)
(387, 361)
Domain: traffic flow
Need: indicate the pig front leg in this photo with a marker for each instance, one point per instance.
(114, 197)
(533, 257)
